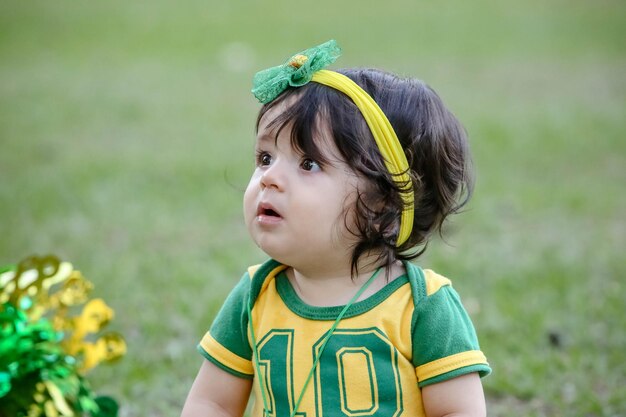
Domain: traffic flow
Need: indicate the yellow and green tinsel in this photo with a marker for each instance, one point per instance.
(50, 336)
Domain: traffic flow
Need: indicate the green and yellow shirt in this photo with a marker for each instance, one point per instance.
(412, 333)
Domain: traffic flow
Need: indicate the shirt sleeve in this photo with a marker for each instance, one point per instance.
(226, 343)
(445, 345)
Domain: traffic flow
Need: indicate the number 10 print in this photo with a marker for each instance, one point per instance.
(357, 374)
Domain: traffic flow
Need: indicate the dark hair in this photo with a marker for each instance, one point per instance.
(433, 140)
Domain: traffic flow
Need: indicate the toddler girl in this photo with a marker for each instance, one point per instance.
(355, 170)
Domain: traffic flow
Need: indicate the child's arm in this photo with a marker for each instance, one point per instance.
(217, 393)
(461, 396)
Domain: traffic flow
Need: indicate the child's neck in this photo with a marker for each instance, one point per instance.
(326, 288)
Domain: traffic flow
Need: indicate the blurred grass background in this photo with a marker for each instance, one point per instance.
(126, 140)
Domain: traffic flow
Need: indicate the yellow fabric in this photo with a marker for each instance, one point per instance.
(449, 363)
(225, 356)
(434, 281)
(252, 270)
(356, 365)
(385, 137)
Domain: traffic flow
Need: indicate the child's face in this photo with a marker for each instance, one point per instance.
(295, 209)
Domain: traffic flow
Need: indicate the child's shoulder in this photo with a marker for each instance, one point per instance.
(258, 276)
(434, 282)
(424, 282)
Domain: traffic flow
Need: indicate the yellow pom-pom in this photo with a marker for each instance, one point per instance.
(45, 286)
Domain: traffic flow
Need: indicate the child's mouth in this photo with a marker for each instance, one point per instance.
(267, 213)
(270, 212)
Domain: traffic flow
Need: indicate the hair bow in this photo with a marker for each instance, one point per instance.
(296, 72)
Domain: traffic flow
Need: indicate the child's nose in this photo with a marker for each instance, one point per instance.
(273, 176)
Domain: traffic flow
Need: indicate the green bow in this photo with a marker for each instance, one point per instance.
(296, 72)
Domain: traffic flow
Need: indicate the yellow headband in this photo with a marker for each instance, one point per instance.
(385, 138)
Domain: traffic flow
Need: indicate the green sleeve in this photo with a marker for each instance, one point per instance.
(230, 326)
(444, 340)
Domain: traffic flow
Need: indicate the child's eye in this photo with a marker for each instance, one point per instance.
(310, 165)
(263, 158)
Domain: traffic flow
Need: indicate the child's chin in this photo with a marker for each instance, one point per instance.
(277, 256)
(275, 252)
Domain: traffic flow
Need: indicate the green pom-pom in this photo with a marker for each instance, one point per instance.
(5, 383)
(108, 407)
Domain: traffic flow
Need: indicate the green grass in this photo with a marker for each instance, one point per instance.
(126, 140)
